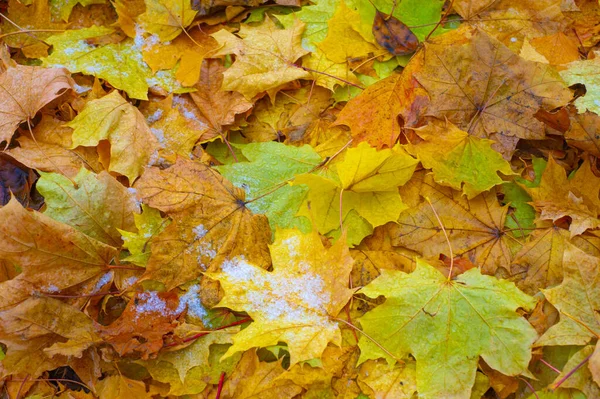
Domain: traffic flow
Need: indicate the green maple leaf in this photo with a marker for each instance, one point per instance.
(149, 224)
(460, 160)
(90, 206)
(270, 166)
(447, 325)
(121, 64)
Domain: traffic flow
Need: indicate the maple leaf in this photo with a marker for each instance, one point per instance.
(112, 118)
(373, 116)
(449, 323)
(497, 96)
(511, 22)
(217, 106)
(48, 149)
(295, 303)
(97, 206)
(53, 255)
(30, 15)
(40, 333)
(265, 57)
(558, 196)
(576, 298)
(167, 18)
(210, 223)
(557, 48)
(454, 155)
(344, 40)
(188, 371)
(475, 227)
(25, 90)
(270, 166)
(539, 263)
(146, 319)
(121, 64)
(367, 182)
(176, 134)
(584, 132)
(184, 54)
(585, 72)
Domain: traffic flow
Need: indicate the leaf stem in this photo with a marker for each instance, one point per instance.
(550, 366)
(445, 235)
(387, 352)
(307, 69)
(203, 333)
(570, 373)
(220, 386)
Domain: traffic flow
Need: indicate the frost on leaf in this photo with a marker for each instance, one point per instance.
(295, 303)
(210, 223)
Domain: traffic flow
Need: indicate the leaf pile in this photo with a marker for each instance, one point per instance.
(300, 199)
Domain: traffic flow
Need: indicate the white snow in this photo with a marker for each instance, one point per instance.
(292, 245)
(150, 302)
(286, 296)
(102, 282)
(191, 301)
(156, 115)
(50, 288)
(200, 231)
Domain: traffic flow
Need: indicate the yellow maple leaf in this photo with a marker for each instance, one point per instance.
(265, 57)
(296, 302)
(344, 40)
(167, 18)
(112, 118)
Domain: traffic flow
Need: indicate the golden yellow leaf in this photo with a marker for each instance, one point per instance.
(114, 119)
(295, 303)
(265, 57)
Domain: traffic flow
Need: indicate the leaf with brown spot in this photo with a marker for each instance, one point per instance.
(393, 35)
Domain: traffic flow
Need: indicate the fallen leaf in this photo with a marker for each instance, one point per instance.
(585, 72)
(499, 94)
(114, 119)
(297, 302)
(25, 90)
(211, 223)
(265, 57)
(393, 35)
(454, 156)
(423, 307)
(167, 18)
(97, 206)
(576, 299)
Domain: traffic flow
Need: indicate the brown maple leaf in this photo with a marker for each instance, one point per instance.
(25, 90)
(210, 223)
(495, 95)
